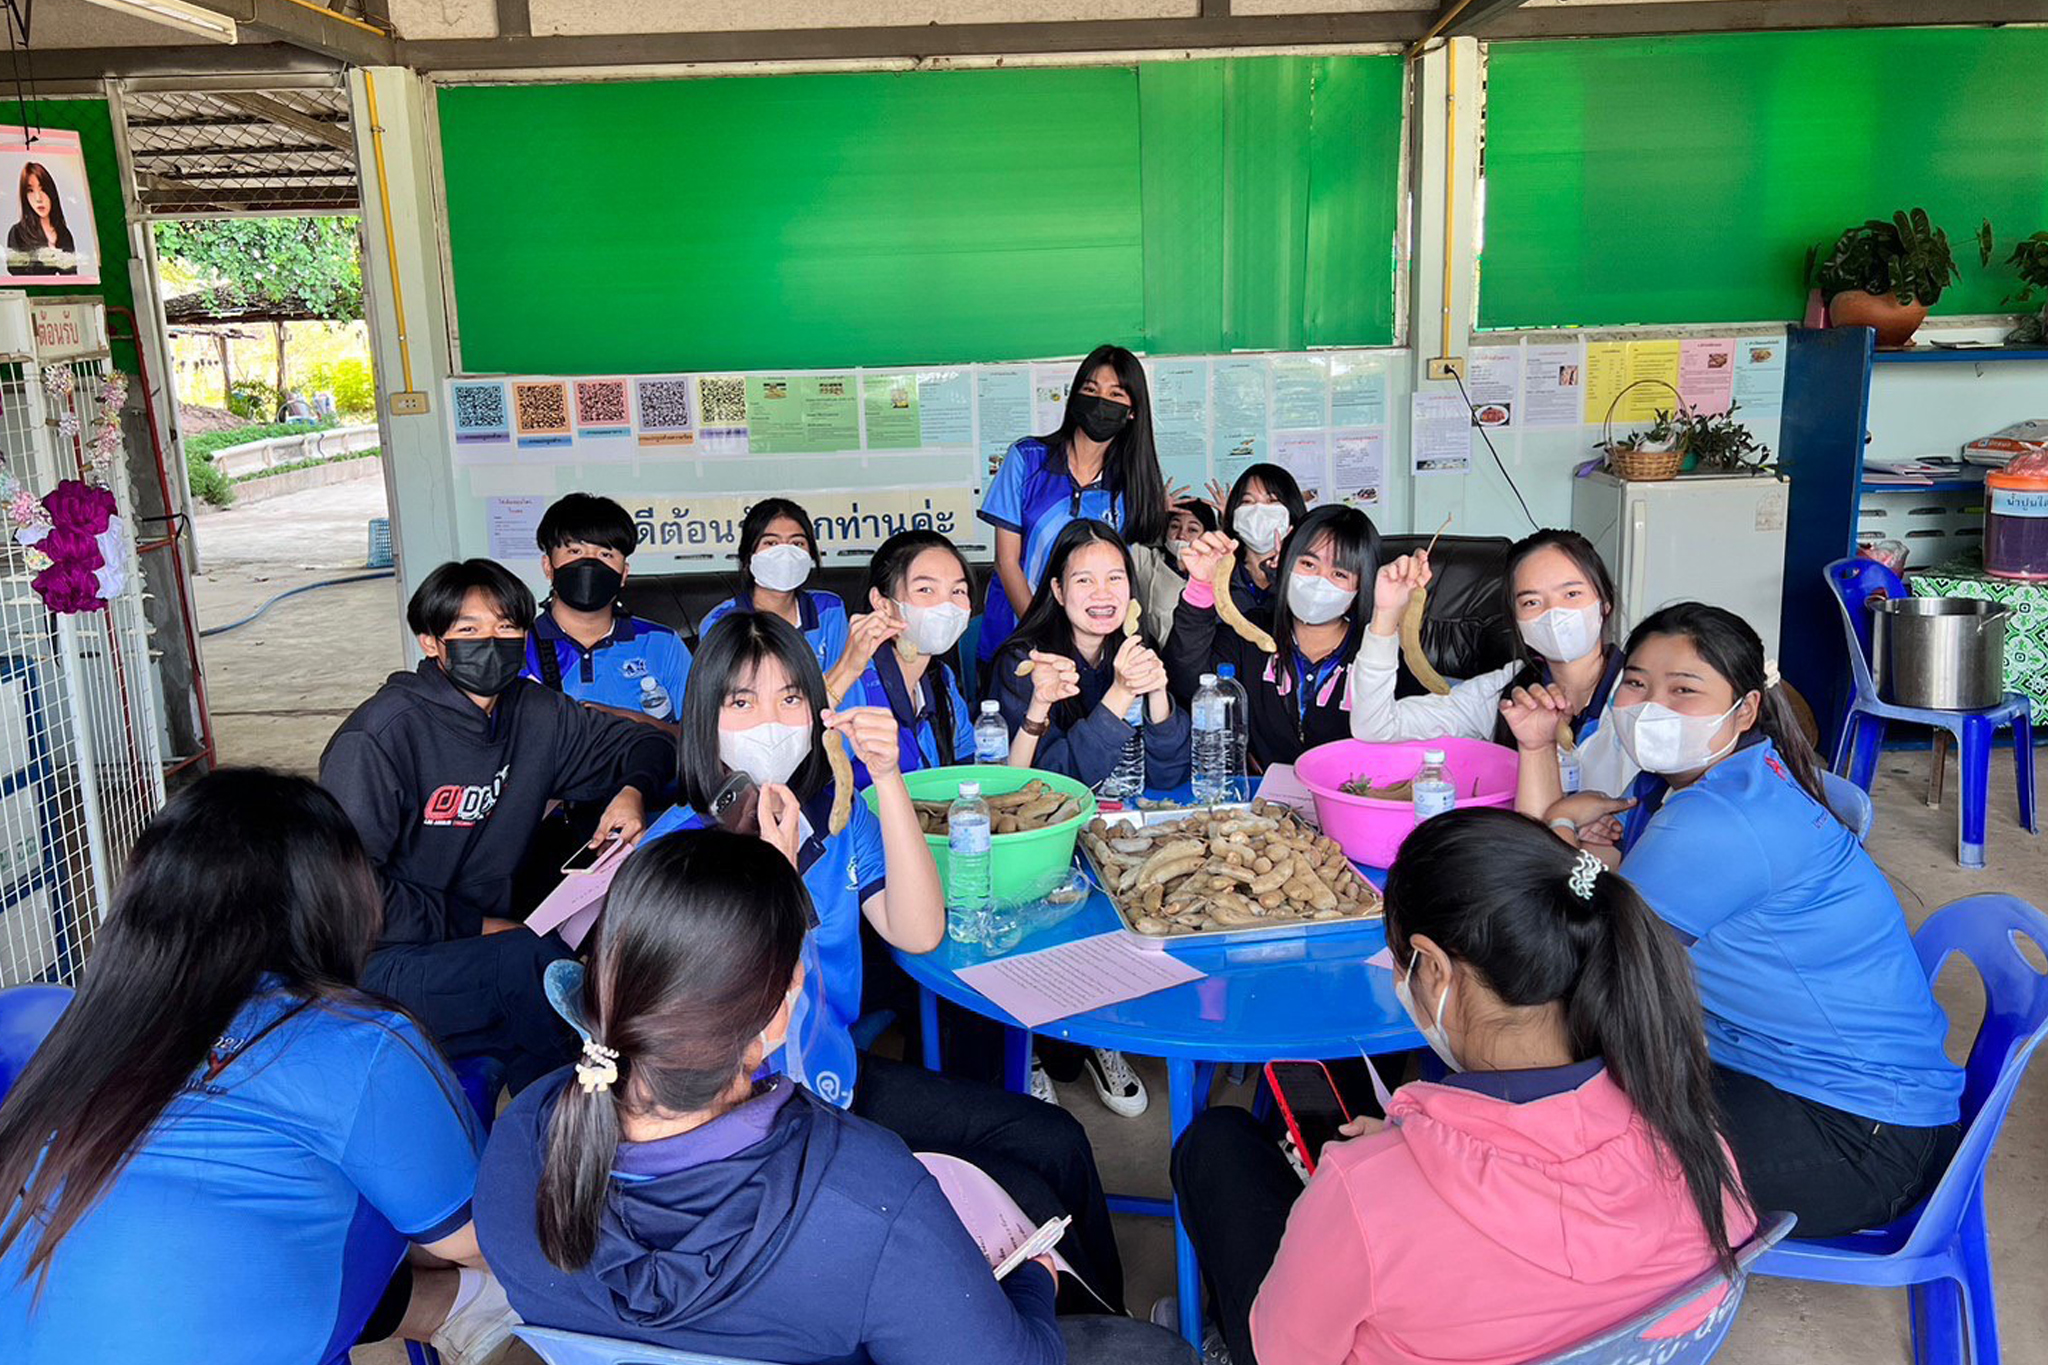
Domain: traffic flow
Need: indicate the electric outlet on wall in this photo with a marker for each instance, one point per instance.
(411, 403)
(1446, 368)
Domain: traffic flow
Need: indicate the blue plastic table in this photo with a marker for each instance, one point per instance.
(1305, 997)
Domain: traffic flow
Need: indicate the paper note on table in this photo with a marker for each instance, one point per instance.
(1073, 978)
(572, 907)
(1282, 786)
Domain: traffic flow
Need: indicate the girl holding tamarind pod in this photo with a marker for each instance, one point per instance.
(1561, 600)
(1294, 677)
(1086, 669)
(920, 597)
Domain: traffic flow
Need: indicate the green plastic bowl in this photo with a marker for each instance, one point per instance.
(1022, 867)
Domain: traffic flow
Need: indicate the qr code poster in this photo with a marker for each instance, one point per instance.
(667, 408)
(722, 415)
(540, 411)
(482, 415)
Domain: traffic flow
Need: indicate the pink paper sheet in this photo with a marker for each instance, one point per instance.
(572, 907)
(1281, 785)
(1073, 978)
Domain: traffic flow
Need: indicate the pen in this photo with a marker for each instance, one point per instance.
(1037, 1244)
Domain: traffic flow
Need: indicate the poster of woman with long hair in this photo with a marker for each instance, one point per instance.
(50, 236)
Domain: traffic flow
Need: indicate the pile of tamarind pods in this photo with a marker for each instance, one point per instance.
(1032, 806)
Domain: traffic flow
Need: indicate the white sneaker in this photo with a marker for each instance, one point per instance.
(1041, 1084)
(1121, 1090)
(474, 1334)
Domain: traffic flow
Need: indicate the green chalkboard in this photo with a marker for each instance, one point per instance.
(886, 218)
(1682, 179)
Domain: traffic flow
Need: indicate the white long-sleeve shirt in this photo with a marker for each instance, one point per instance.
(1469, 710)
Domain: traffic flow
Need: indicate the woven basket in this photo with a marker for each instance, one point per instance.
(1642, 466)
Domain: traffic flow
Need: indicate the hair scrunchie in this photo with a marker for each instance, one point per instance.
(597, 1070)
(1586, 870)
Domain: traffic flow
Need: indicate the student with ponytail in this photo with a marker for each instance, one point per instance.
(1566, 1175)
(666, 1191)
(1841, 1104)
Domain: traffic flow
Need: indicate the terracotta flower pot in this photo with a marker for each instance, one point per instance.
(1895, 322)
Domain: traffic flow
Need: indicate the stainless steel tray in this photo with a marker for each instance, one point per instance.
(1147, 817)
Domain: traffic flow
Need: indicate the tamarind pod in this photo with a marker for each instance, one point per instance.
(1024, 669)
(842, 783)
(1034, 790)
(1173, 852)
(906, 649)
(1226, 609)
(1411, 645)
(1067, 810)
(1132, 615)
(1158, 873)
(1271, 881)
(1566, 740)
(1131, 845)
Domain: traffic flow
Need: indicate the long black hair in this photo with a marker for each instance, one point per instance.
(1279, 485)
(33, 220)
(886, 572)
(700, 936)
(1354, 543)
(1731, 647)
(243, 873)
(1045, 626)
(728, 656)
(1130, 471)
(1493, 889)
(755, 525)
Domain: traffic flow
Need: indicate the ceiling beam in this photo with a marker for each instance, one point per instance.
(283, 115)
(85, 67)
(1465, 18)
(1725, 16)
(313, 27)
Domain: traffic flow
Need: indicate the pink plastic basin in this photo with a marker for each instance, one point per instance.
(1369, 830)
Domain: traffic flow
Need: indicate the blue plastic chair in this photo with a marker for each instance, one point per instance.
(557, 1347)
(1942, 1250)
(1854, 582)
(1650, 1337)
(1850, 803)
(27, 1014)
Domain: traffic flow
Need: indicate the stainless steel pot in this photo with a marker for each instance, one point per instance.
(1944, 653)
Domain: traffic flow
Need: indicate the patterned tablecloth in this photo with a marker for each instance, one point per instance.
(2026, 630)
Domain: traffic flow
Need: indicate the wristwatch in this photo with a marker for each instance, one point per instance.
(1036, 728)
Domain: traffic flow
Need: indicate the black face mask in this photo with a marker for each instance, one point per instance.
(587, 584)
(483, 668)
(1102, 418)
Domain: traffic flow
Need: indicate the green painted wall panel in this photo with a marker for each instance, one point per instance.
(1682, 179)
(886, 218)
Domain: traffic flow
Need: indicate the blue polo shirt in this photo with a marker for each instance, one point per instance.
(227, 1237)
(822, 613)
(1804, 962)
(612, 673)
(1033, 495)
(841, 871)
(917, 743)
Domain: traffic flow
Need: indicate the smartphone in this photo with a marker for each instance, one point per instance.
(588, 856)
(1310, 1104)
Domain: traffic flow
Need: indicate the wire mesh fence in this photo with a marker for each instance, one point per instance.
(240, 153)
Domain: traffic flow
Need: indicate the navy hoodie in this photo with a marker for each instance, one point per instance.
(447, 796)
(784, 1230)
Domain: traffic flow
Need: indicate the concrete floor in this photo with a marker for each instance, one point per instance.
(280, 686)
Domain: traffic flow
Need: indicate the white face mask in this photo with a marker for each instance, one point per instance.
(1175, 549)
(933, 629)
(1662, 740)
(1315, 600)
(1563, 634)
(1432, 1032)
(781, 568)
(1260, 525)
(768, 753)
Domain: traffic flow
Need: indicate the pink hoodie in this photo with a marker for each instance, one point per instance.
(1477, 1230)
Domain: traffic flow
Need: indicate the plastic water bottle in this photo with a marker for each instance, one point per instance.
(1233, 694)
(1127, 778)
(1003, 927)
(1569, 778)
(654, 699)
(1434, 793)
(991, 736)
(1211, 716)
(967, 870)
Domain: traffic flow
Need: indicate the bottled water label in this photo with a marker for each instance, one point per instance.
(990, 748)
(968, 838)
(654, 699)
(1434, 798)
(1568, 770)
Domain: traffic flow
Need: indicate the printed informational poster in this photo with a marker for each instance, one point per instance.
(1049, 385)
(1706, 373)
(1358, 466)
(540, 413)
(802, 414)
(1494, 383)
(1760, 377)
(481, 415)
(1002, 393)
(51, 238)
(1440, 435)
(848, 522)
(510, 525)
(664, 410)
(1636, 379)
(1358, 389)
(602, 413)
(1180, 420)
(1553, 386)
(1302, 454)
(945, 407)
(1237, 416)
(721, 414)
(889, 407)
(1301, 392)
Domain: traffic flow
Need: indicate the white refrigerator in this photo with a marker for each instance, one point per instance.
(1706, 538)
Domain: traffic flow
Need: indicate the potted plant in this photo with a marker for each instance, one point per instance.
(2030, 256)
(1885, 274)
(1718, 442)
